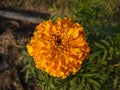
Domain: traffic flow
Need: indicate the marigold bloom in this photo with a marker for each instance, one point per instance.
(59, 48)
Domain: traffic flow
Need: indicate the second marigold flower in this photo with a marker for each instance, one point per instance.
(59, 48)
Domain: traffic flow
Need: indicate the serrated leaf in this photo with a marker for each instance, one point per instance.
(82, 84)
(105, 54)
(95, 54)
(87, 86)
(73, 81)
(93, 82)
(105, 42)
(99, 45)
(33, 71)
(104, 50)
(40, 80)
(88, 75)
(73, 88)
(25, 68)
(27, 76)
(115, 82)
(64, 86)
(52, 83)
(111, 49)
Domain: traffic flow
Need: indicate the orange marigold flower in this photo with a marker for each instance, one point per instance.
(59, 48)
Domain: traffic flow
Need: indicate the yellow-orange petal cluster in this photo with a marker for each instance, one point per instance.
(59, 48)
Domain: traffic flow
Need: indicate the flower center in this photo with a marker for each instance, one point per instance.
(59, 41)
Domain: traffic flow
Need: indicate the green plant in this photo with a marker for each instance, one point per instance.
(101, 71)
(29, 71)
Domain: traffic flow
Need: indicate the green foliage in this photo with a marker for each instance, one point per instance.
(60, 10)
(101, 71)
(27, 63)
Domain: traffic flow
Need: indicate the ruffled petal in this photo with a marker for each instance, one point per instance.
(59, 48)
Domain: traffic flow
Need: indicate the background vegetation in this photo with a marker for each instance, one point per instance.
(100, 19)
(102, 69)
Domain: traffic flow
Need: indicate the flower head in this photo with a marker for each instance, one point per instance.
(59, 48)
